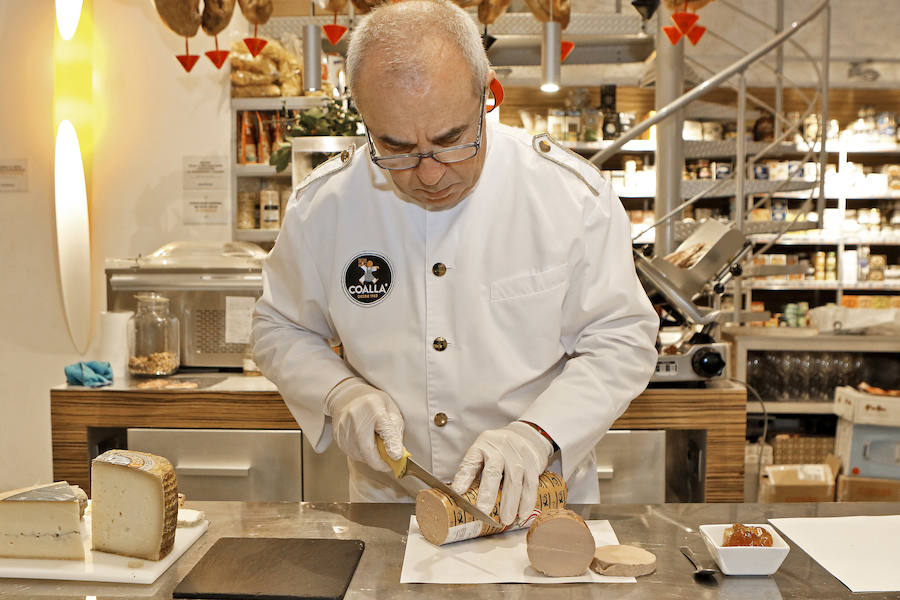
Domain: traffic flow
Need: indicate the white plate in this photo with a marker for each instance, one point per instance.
(102, 566)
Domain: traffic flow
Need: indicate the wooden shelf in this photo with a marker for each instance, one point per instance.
(259, 170)
(791, 408)
(277, 103)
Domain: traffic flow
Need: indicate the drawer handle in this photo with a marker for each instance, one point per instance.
(213, 470)
(605, 472)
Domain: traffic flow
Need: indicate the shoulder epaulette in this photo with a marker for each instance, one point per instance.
(584, 170)
(329, 167)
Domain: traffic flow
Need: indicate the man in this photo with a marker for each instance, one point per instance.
(482, 287)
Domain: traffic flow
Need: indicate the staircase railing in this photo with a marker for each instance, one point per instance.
(739, 68)
(785, 129)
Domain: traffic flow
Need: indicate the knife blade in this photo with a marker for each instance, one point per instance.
(407, 466)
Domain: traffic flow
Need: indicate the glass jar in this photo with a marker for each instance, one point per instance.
(153, 338)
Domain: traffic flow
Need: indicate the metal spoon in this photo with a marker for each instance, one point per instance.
(698, 570)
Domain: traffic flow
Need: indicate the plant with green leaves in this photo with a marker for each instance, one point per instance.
(330, 119)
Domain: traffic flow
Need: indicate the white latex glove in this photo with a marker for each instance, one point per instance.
(358, 411)
(517, 454)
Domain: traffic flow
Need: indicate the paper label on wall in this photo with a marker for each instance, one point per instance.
(205, 190)
(205, 173)
(238, 318)
(14, 175)
(205, 207)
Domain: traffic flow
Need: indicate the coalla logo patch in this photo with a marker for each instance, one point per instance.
(367, 279)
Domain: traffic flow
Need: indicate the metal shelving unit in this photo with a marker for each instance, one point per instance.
(260, 171)
(744, 340)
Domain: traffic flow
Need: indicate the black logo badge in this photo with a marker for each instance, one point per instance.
(367, 279)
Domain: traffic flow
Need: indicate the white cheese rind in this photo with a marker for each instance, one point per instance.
(41, 521)
(134, 504)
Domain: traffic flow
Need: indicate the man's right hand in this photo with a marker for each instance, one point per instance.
(358, 411)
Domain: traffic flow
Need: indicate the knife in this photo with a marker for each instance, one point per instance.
(407, 466)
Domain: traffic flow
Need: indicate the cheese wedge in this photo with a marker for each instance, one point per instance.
(42, 521)
(134, 504)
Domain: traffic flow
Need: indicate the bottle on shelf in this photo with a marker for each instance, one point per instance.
(611, 124)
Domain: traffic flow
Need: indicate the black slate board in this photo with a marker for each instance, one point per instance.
(273, 569)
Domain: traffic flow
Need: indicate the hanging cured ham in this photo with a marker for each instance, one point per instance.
(490, 10)
(258, 13)
(541, 10)
(182, 17)
(333, 31)
(215, 18)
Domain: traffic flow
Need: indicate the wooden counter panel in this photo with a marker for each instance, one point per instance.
(720, 412)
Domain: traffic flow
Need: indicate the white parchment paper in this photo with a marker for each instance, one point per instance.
(497, 558)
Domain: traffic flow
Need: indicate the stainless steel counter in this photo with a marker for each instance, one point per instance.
(661, 529)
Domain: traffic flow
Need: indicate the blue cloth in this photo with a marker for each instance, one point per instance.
(93, 373)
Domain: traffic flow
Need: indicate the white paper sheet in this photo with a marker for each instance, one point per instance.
(500, 558)
(860, 551)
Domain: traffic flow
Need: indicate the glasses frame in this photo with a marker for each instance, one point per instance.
(434, 154)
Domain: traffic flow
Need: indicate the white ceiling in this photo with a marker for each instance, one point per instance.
(861, 30)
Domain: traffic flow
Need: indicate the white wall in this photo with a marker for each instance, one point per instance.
(150, 114)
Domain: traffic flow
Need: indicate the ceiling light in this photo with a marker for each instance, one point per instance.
(551, 47)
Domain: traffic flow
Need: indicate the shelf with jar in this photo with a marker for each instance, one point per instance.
(266, 168)
(796, 371)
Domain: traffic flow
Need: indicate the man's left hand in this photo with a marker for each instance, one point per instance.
(516, 454)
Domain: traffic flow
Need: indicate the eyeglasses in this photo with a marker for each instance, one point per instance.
(453, 154)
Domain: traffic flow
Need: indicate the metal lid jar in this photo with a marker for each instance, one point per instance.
(153, 342)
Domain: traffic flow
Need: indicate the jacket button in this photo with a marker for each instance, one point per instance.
(440, 419)
(439, 344)
(439, 269)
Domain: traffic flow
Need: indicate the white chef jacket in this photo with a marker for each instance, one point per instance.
(542, 314)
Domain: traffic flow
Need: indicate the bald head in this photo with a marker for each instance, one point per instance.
(409, 43)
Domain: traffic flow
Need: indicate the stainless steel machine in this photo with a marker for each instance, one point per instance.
(702, 265)
(212, 288)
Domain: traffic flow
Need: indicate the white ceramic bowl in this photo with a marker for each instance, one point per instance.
(745, 560)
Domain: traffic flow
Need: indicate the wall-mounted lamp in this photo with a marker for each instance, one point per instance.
(73, 123)
(551, 42)
(312, 57)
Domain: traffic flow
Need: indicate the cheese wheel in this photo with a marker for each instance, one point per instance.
(442, 521)
(134, 504)
(623, 561)
(42, 521)
(560, 544)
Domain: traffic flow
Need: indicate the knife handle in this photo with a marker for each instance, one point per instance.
(398, 466)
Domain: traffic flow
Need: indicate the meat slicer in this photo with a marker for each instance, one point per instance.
(699, 268)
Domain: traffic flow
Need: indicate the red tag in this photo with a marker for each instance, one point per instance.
(217, 57)
(566, 48)
(685, 20)
(673, 34)
(497, 91)
(187, 60)
(334, 33)
(255, 45)
(696, 33)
